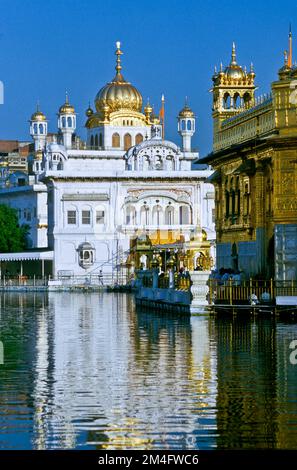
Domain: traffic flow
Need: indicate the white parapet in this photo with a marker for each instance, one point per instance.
(199, 290)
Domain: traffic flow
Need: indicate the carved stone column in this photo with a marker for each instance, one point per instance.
(199, 290)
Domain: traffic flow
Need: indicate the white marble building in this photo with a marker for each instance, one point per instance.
(126, 179)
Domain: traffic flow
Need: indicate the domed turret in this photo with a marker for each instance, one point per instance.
(186, 112)
(118, 94)
(186, 126)
(67, 122)
(38, 128)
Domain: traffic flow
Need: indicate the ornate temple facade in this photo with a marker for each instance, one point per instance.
(121, 197)
(255, 161)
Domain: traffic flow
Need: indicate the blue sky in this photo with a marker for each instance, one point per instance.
(169, 47)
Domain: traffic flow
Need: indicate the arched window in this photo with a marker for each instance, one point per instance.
(130, 215)
(127, 141)
(189, 125)
(86, 255)
(169, 215)
(159, 163)
(41, 128)
(157, 215)
(116, 140)
(227, 199)
(96, 141)
(170, 163)
(247, 100)
(145, 162)
(100, 140)
(92, 141)
(63, 121)
(144, 215)
(183, 125)
(184, 218)
(69, 121)
(236, 101)
(35, 128)
(227, 101)
(138, 139)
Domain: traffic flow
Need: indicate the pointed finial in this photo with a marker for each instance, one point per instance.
(186, 101)
(118, 61)
(290, 58)
(215, 70)
(286, 57)
(163, 98)
(37, 106)
(221, 67)
(233, 55)
(66, 97)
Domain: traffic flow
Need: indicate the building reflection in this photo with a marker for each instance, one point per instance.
(111, 377)
(88, 371)
(254, 384)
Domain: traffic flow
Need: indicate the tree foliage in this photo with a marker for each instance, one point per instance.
(13, 237)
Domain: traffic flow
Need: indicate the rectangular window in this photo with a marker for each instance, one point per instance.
(29, 215)
(86, 217)
(71, 217)
(100, 217)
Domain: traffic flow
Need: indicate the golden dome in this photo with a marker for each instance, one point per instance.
(38, 115)
(66, 108)
(38, 154)
(118, 94)
(89, 111)
(234, 70)
(148, 109)
(186, 112)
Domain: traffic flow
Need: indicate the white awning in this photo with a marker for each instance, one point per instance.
(28, 256)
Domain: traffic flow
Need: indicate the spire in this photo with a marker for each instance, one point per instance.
(233, 55)
(290, 48)
(118, 67)
(66, 97)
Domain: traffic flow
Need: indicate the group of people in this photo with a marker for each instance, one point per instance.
(224, 275)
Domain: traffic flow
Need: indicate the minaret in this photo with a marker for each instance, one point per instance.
(67, 122)
(38, 129)
(186, 126)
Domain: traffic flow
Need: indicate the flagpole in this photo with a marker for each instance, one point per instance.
(163, 116)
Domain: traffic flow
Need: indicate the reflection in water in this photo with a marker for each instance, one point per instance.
(88, 371)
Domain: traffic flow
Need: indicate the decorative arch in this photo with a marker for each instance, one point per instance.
(138, 139)
(237, 101)
(184, 215)
(130, 215)
(116, 143)
(157, 215)
(127, 141)
(227, 101)
(92, 141)
(247, 100)
(169, 215)
(96, 141)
